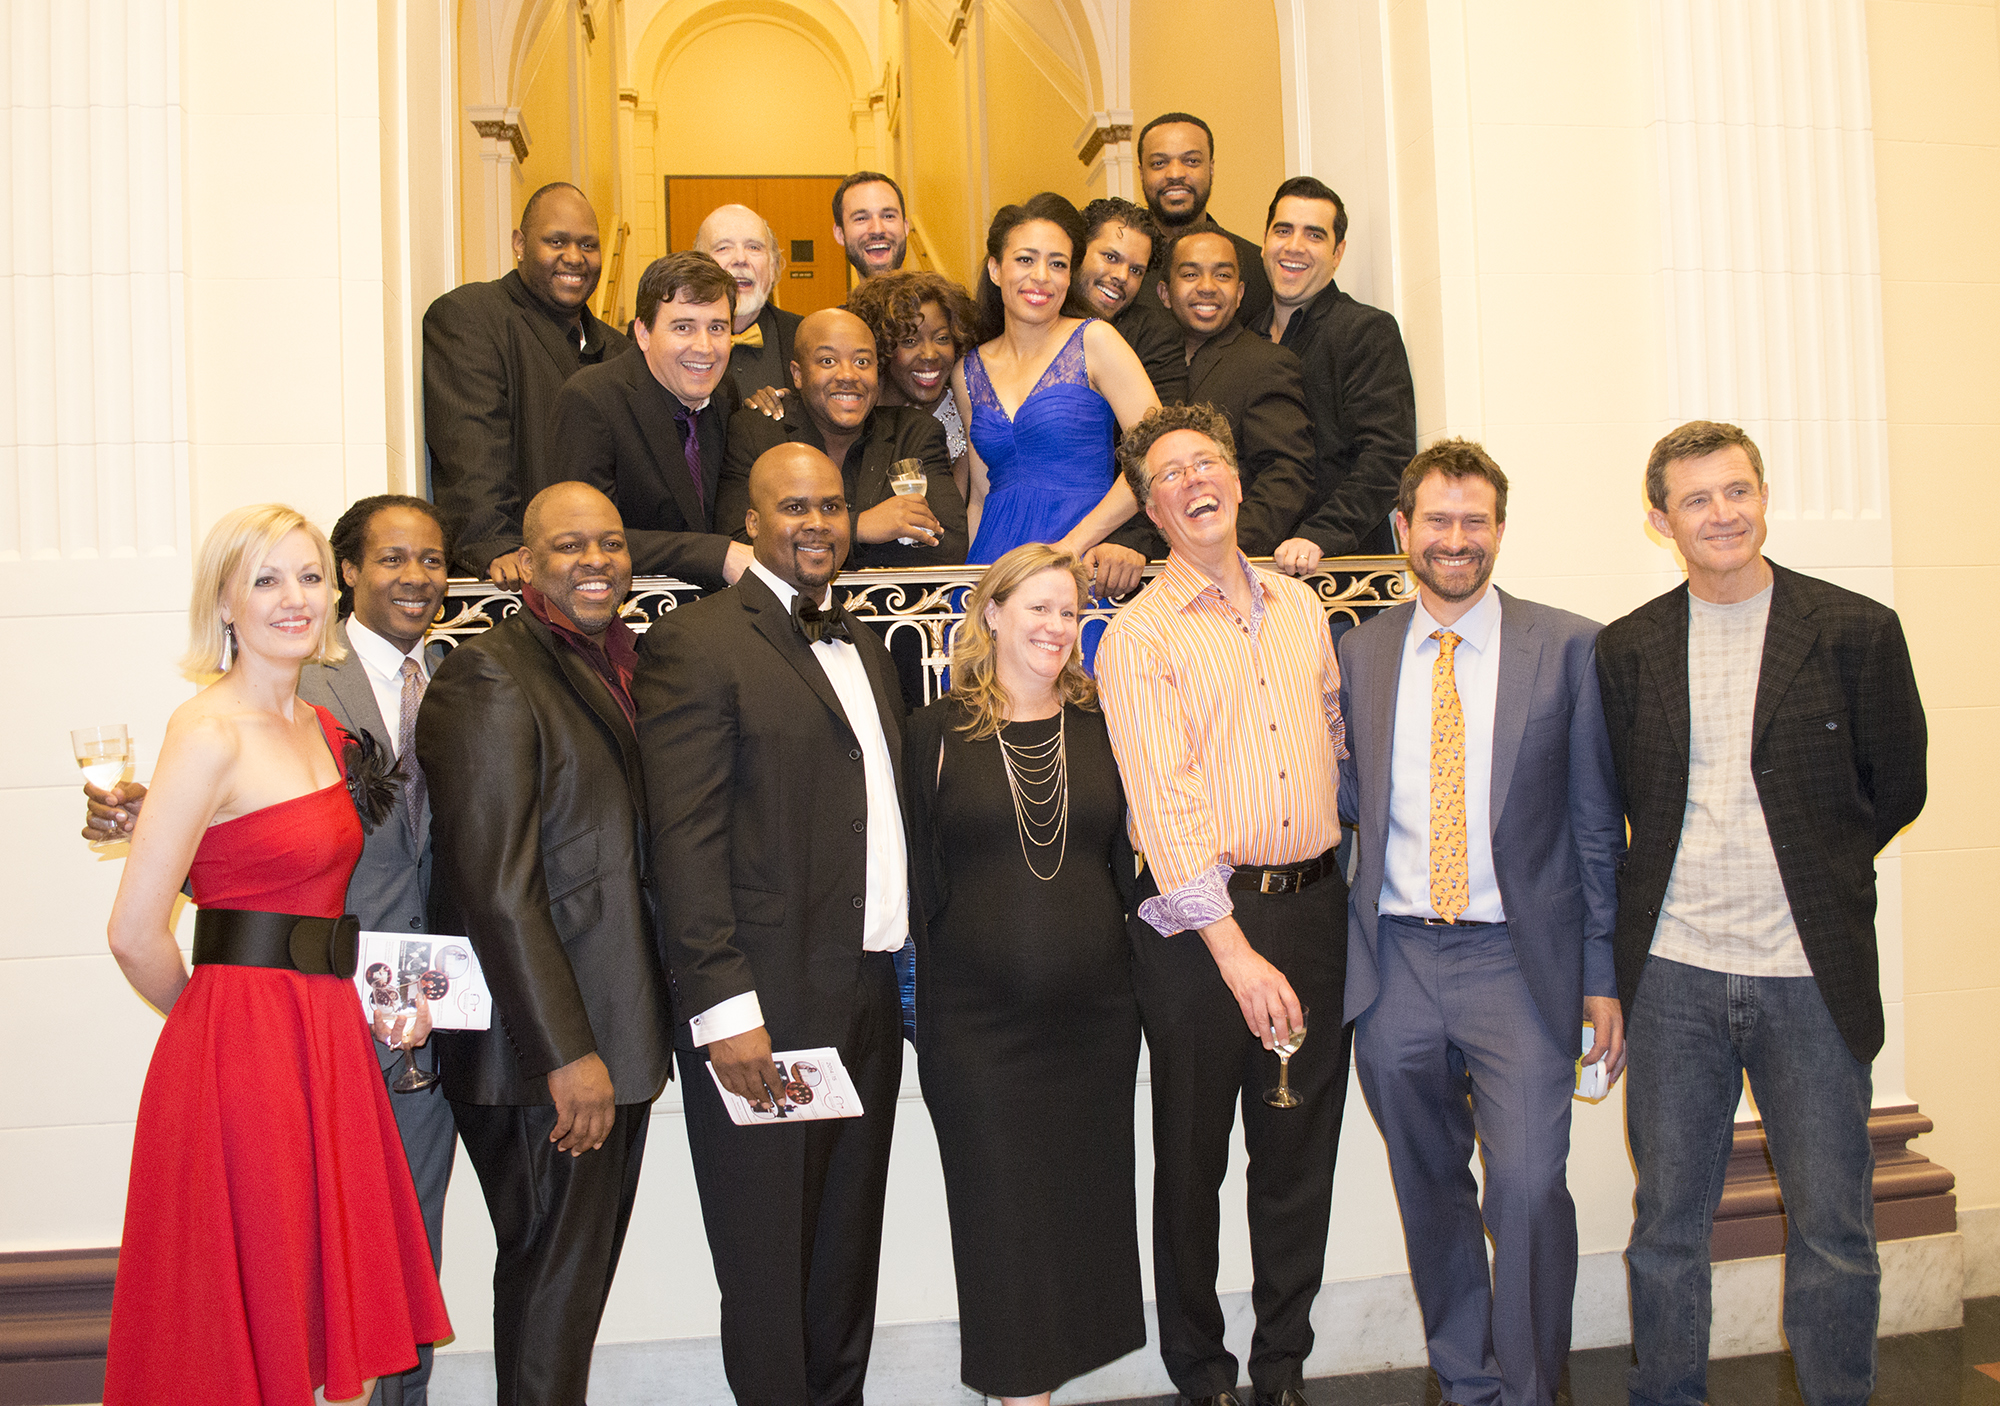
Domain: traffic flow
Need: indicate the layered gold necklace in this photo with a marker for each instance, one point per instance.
(1038, 780)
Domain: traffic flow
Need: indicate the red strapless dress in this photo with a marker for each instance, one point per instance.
(272, 1238)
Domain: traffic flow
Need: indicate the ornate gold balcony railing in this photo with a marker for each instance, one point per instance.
(914, 611)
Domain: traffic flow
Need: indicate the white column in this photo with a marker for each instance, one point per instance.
(503, 145)
(1773, 278)
(1104, 146)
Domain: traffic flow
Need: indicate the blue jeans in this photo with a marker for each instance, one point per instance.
(1692, 1036)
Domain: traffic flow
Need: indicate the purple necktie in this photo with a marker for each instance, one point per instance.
(691, 450)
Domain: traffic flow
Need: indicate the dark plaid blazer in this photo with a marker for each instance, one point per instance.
(1839, 752)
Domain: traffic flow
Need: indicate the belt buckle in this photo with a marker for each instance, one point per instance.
(1275, 882)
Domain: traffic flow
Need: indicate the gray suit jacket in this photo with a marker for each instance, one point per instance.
(390, 883)
(1557, 830)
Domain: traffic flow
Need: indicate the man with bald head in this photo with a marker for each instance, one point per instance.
(741, 240)
(495, 354)
(772, 728)
(834, 370)
(539, 838)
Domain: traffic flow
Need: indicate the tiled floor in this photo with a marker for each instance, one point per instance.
(1922, 1369)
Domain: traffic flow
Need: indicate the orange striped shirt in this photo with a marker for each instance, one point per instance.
(1227, 731)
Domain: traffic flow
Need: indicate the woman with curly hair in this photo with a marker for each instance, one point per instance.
(923, 323)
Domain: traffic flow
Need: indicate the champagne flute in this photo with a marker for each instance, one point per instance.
(1282, 1096)
(907, 480)
(103, 752)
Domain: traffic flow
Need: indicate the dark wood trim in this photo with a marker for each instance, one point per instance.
(1913, 1195)
(55, 1319)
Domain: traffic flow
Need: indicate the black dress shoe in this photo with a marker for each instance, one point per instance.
(1221, 1398)
(1290, 1396)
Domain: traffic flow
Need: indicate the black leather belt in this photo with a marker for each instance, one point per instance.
(1282, 878)
(236, 937)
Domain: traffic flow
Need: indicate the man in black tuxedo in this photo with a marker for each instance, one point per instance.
(772, 731)
(1177, 175)
(540, 835)
(648, 429)
(760, 350)
(1118, 244)
(1255, 385)
(1769, 741)
(1357, 379)
(837, 411)
(495, 354)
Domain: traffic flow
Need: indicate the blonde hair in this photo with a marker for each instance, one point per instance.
(233, 550)
(975, 681)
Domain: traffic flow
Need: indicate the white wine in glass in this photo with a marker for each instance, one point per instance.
(908, 480)
(102, 752)
(1282, 1096)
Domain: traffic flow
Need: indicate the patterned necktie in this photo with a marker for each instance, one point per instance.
(406, 750)
(1451, 889)
(691, 450)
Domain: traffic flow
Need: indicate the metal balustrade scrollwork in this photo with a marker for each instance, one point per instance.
(914, 611)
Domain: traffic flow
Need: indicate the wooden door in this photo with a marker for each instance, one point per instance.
(800, 212)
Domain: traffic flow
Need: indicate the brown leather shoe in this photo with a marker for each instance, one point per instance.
(1290, 1396)
(1221, 1398)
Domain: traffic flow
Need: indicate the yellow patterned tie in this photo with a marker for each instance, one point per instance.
(1451, 890)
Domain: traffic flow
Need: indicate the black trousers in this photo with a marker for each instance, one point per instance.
(794, 1217)
(1205, 1062)
(559, 1222)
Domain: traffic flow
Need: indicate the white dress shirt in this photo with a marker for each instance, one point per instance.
(1406, 873)
(885, 920)
(383, 663)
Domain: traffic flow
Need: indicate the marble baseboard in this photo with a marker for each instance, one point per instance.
(1362, 1325)
(1981, 1229)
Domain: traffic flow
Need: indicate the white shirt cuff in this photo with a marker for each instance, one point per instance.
(727, 1018)
(1194, 905)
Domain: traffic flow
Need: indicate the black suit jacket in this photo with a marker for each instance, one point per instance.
(494, 359)
(753, 368)
(615, 429)
(760, 811)
(1159, 343)
(540, 841)
(1249, 267)
(891, 432)
(1257, 387)
(1839, 755)
(1364, 417)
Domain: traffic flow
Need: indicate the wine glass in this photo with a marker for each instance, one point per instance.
(907, 480)
(1282, 1096)
(103, 752)
(413, 1077)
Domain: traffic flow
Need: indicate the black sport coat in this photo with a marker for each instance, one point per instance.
(753, 368)
(1839, 755)
(1363, 408)
(760, 809)
(615, 430)
(539, 839)
(494, 359)
(1156, 339)
(891, 432)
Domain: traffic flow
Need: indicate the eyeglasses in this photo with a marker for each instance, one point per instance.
(1167, 478)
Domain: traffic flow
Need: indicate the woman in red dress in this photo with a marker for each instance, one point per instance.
(273, 1248)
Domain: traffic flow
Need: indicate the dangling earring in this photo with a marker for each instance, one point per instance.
(228, 645)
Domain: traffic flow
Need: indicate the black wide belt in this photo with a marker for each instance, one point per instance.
(236, 937)
(1282, 878)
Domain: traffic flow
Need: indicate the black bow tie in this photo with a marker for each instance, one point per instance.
(816, 624)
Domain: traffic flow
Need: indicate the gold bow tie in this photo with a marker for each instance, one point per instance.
(751, 336)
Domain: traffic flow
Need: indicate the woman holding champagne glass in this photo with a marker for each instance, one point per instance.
(1027, 1017)
(267, 1173)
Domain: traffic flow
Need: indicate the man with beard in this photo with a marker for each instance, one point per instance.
(740, 239)
(1220, 689)
(773, 733)
(539, 827)
(495, 354)
(1176, 174)
(648, 429)
(1118, 245)
(1479, 927)
(1357, 377)
(868, 223)
(837, 411)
